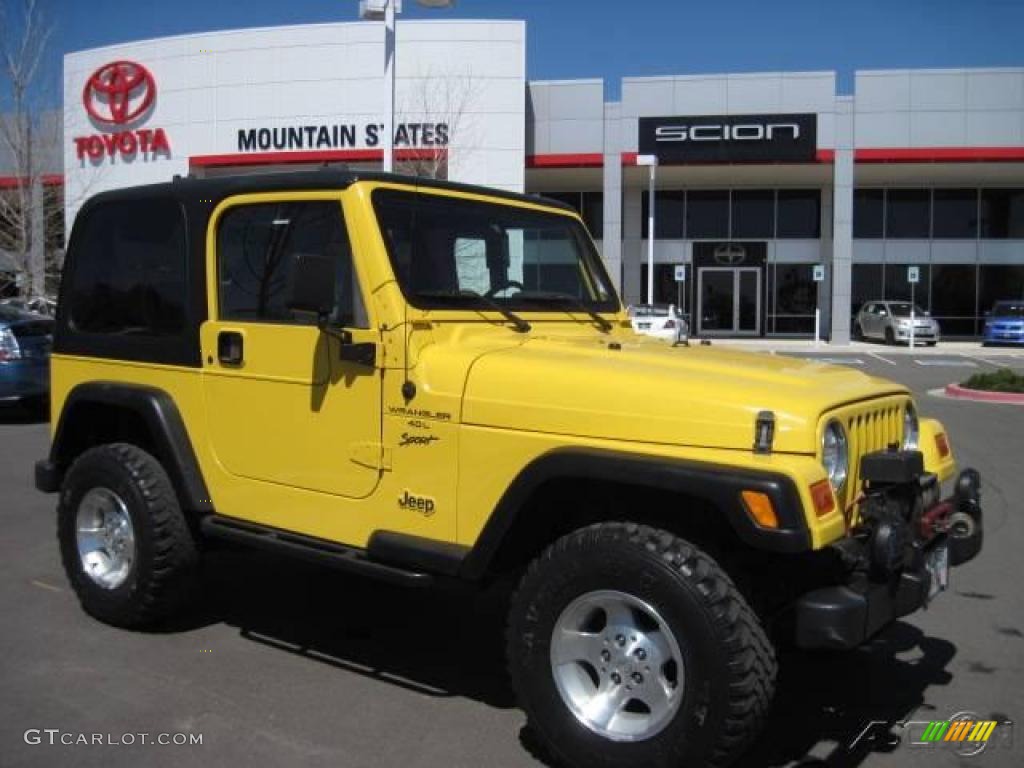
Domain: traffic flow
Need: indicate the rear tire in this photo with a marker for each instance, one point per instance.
(125, 544)
(680, 602)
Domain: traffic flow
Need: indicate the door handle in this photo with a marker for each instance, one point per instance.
(230, 348)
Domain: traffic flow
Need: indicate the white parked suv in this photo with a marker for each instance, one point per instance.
(663, 321)
(889, 321)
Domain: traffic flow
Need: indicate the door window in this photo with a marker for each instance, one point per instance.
(255, 246)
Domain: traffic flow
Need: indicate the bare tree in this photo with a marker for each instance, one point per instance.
(445, 100)
(27, 141)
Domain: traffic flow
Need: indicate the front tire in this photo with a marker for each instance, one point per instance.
(890, 337)
(125, 544)
(629, 646)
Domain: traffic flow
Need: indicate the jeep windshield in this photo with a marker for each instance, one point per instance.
(452, 252)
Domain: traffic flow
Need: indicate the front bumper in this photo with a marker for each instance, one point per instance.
(920, 334)
(843, 615)
(1001, 336)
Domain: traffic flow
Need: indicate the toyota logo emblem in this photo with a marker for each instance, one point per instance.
(119, 92)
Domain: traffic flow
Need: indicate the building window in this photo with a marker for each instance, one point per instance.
(707, 215)
(907, 213)
(898, 289)
(753, 213)
(669, 214)
(589, 205)
(868, 213)
(1000, 282)
(666, 289)
(793, 297)
(798, 213)
(1002, 213)
(955, 214)
(954, 288)
(866, 285)
(593, 213)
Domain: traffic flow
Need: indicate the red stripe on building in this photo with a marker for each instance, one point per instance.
(48, 179)
(940, 155)
(312, 156)
(568, 160)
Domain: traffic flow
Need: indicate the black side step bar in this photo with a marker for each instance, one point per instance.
(310, 549)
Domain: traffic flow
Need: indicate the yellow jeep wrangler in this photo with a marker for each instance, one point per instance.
(428, 382)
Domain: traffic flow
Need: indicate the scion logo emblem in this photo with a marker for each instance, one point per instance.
(119, 92)
(730, 255)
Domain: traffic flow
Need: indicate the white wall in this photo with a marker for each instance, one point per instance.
(212, 85)
(940, 108)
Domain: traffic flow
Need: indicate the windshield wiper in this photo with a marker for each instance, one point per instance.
(520, 325)
(603, 324)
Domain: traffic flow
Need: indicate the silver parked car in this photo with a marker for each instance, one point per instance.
(889, 321)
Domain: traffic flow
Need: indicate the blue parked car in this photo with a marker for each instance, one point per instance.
(25, 341)
(1005, 323)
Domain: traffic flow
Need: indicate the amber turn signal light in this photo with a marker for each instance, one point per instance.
(824, 500)
(760, 508)
(942, 444)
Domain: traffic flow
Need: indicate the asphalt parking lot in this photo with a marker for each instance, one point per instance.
(288, 664)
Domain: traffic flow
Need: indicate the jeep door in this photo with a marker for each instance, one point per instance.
(282, 406)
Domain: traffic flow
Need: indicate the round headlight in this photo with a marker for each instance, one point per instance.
(911, 428)
(835, 454)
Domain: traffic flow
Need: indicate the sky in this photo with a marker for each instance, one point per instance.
(611, 39)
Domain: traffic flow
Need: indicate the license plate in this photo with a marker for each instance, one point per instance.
(937, 565)
(643, 326)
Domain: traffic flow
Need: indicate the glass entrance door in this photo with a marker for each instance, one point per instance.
(730, 301)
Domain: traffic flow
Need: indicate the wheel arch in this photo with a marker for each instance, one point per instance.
(688, 497)
(99, 412)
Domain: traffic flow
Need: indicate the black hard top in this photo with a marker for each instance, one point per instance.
(213, 190)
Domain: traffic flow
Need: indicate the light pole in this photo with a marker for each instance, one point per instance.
(387, 11)
(651, 161)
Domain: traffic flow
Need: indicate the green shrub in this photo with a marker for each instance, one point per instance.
(1003, 380)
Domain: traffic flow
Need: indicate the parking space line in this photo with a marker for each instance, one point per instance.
(839, 360)
(44, 585)
(984, 360)
(946, 363)
(883, 359)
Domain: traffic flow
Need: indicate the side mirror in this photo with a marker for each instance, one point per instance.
(311, 281)
(883, 313)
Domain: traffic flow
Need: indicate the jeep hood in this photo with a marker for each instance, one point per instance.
(648, 391)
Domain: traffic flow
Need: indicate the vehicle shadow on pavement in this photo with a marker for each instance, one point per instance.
(450, 643)
(22, 414)
(825, 700)
(437, 642)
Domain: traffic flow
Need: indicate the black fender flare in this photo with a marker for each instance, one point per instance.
(718, 485)
(158, 412)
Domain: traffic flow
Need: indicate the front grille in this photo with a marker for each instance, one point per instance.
(868, 428)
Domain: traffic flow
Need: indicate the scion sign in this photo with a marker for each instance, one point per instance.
(730, 138)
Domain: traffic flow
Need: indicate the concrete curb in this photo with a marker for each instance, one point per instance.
(963, 393)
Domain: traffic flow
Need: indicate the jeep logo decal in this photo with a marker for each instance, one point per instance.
(422, 504)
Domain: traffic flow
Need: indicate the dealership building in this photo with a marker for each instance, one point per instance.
(764, 181)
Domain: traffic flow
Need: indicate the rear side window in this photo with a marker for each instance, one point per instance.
(128, 276)
(255, 248)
